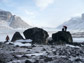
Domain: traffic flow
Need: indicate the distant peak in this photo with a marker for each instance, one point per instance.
(1, 10)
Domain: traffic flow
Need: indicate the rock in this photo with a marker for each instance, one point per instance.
(5, 57)
(50, 41)
(5, 15)
(42, 57)
(27, 61)
(38, 35)
(37, 61)
(62, 37)
(16, 36)
(47, 59)
(78, 59)
(43, 49)
(25, 56)
(61, 60)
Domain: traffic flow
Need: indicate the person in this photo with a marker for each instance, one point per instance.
(7, 38)
(62, 29)
(65, 28)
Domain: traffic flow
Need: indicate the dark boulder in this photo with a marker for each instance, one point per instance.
(47, 59)
(62, 37)
(38, 35)
(27, 61)
(16, 36)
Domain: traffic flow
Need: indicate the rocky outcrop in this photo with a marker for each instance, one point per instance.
(62, 37)
(16, 36)
(38, 35)
(5, 15)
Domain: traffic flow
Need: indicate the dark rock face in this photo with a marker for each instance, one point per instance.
(5, 15)
(38, 35)
(16, 36)
(62, 37)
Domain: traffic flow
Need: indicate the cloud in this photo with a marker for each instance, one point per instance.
(29, 12)
(42, 4)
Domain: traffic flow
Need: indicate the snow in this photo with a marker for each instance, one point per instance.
(72, 46)
(42, 52)
(11, 21)
(36, 54)
(28, 40)
(78, 39)
(23, 42)
(20, 44)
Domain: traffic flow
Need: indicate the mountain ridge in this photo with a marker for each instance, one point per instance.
(12, 21)
(75, 23)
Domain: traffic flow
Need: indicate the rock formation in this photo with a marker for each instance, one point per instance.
(38, 35)
(16, 36)
(62, 37)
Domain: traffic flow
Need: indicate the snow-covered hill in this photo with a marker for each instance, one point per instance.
(75, 23)
(7, 20)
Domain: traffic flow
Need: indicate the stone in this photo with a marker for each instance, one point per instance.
(27, 61)
(5, 15)
(47, 59)
(62, 37)
(16, 36)
(5, 57)
(38, 35)
(37, 61)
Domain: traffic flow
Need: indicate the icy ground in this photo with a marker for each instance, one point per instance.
(41, 54)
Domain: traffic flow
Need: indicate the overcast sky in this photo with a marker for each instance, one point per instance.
(44, 13)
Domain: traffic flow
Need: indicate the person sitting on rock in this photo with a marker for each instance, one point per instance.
(65, 28)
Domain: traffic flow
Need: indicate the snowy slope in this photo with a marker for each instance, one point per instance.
(17, 22)
(11, 21)
(75, 23)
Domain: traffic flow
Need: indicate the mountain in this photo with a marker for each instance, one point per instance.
(75, 23)
(17, 22)
(7, 20)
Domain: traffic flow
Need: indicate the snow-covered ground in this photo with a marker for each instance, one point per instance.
(42, 54)
(78, 39)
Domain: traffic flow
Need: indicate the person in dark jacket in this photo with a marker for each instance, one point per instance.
(7, 38)
(65, 28)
